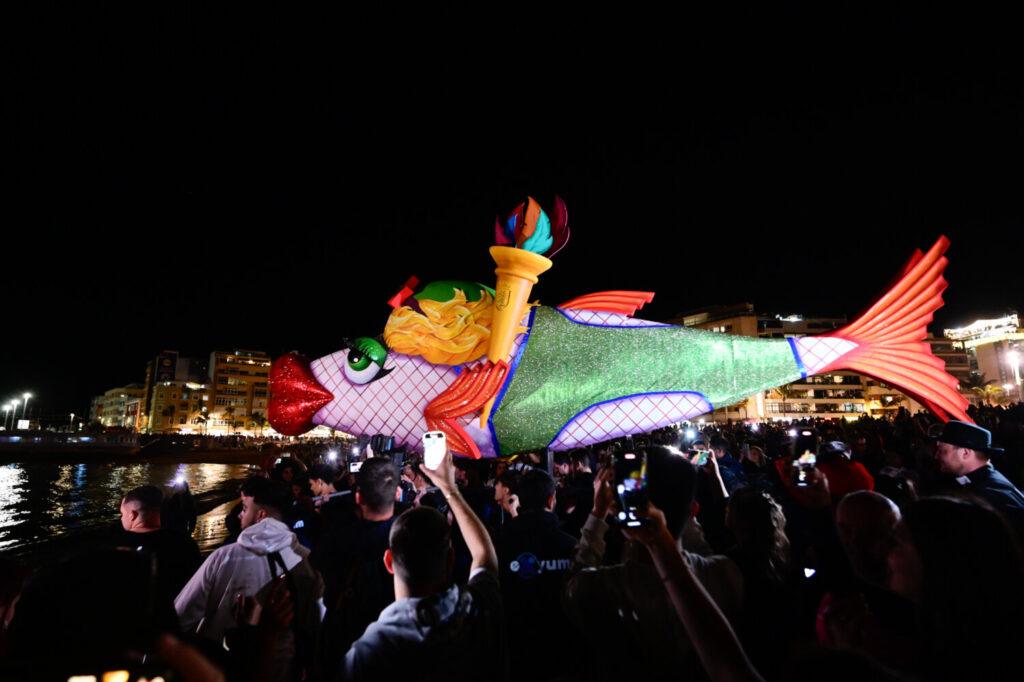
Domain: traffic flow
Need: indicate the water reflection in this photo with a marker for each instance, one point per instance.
(11, 480)
(210, 529)
(41, 501)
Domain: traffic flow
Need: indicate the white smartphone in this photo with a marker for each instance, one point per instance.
(434, 446)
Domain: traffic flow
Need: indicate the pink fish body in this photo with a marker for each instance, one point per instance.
(404, 395)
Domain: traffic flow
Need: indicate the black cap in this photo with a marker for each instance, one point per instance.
(965, 435)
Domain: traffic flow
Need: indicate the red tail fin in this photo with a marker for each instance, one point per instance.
(889, 337)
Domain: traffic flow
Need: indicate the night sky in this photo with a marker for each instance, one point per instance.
(254, 176)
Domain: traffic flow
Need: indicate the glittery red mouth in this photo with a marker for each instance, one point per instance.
(295, 395)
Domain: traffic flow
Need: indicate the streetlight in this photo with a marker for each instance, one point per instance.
(71, 423)
(1014, 358)
(24, 408)
(14, 414)
(7, 410)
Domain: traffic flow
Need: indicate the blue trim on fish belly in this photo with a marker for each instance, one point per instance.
(624, 397)
(612, 326)
(796, 354)
(508, 380)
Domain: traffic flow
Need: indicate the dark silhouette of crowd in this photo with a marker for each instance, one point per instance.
(896, 555)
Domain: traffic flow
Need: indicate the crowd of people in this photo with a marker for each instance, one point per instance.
(895, 555)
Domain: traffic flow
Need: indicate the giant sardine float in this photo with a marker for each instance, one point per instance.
(500, 375)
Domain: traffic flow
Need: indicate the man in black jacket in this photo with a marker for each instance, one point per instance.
(534, 558)
(964, 451)
(176, 554)
(357, 586)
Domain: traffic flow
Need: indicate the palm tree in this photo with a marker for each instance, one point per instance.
(991, 393)
(229, 415)
(260, 420)
(200, 417)
(785, 392)
(975, 380)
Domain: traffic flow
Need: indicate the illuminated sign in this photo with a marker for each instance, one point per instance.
(995, 338)
(984, 329)
(166, 364)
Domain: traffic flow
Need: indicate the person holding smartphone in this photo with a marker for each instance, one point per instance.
(356, 585)
(451, 631)
(648, 636)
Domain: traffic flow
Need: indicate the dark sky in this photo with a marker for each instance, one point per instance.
(256, 176)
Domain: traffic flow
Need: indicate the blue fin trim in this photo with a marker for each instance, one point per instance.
(796, 356)
(624, 397)
(508, 381)
(652, 325)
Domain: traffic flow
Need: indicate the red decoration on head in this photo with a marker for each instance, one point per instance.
(398, 299)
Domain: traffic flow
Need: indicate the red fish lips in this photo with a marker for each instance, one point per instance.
(296, 395)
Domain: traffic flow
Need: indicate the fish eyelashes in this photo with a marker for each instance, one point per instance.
(365, 361)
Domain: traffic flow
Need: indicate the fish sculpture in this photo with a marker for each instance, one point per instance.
(500, 375)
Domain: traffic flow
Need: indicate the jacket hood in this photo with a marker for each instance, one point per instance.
(269, 535)
(426, 613)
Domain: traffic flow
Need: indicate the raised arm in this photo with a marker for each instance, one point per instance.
(473, 530)
(717, 645)
(589, 549)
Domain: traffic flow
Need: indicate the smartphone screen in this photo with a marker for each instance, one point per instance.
(804, 466)
(631, 485)
(434, 447)
(699, 457)
(353, 467)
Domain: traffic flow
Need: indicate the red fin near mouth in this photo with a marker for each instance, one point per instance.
(469, 393)
(295, 395)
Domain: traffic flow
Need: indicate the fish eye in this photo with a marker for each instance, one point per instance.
(365, 362)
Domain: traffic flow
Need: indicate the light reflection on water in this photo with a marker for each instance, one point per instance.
(210, 530)
(11, 481)
(43, 501)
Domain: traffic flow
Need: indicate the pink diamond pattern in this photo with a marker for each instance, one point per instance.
(818, 352)
(635, 414)
(392, 406)
(607, 319)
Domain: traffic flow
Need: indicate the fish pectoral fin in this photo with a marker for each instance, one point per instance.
(459, 442)
(470, 392)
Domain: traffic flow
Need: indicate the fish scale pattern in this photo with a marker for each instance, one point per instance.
(818, 352)
(635, 414)
(607, 319)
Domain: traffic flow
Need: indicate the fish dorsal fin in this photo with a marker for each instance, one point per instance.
(622, 302)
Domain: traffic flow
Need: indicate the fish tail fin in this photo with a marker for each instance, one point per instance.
(887, 341)
(466, 395)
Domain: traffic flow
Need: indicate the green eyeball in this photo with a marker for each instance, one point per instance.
(365, 362)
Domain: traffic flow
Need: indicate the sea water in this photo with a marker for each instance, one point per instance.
(50, 509)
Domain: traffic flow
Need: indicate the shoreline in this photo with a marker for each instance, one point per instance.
(43, 552)
(185, 456)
